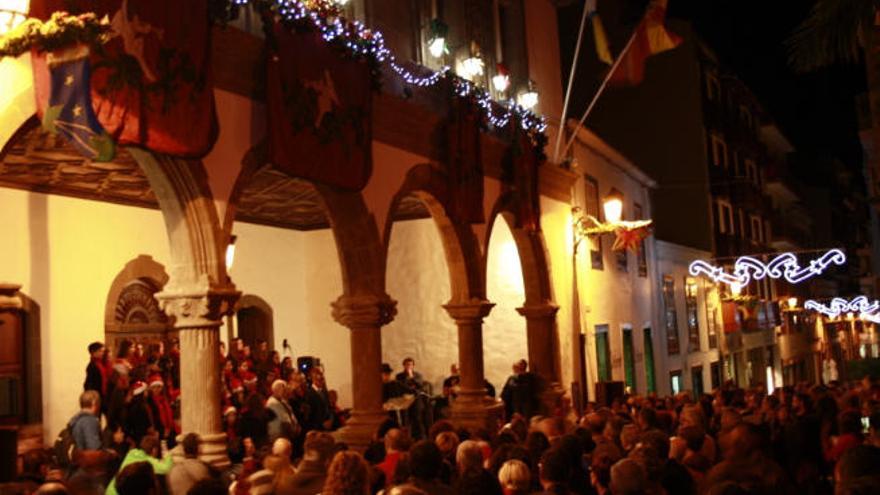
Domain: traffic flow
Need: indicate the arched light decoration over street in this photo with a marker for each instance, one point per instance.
(839, 305)
(12, 13)
(783, 266)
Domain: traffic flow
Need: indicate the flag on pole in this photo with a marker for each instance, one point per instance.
(651, 37)
(599, 36)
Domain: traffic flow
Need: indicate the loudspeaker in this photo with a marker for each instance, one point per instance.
(607, 392)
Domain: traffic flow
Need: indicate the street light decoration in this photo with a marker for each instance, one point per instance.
(839, 305)
(785, 265)
(630, 233)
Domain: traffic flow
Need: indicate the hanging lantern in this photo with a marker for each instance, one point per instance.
(471, 68)
(437, 43)
(529, 98)
(501, 80)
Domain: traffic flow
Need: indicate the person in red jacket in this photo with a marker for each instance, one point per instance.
(158, 401)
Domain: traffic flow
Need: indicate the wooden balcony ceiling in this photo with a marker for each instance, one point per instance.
(41, 162)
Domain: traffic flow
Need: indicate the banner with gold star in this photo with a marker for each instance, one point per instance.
(318, 105)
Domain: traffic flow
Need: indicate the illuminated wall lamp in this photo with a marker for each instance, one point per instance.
(12, 13)
(613, 206)
(471, 68)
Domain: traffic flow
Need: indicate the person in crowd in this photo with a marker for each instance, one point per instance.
(284, 450)
(147, 452)
(189, 471)
(284, 423)
(554, 472)
(425, 467)
(628, 478)
(160, 409)
(139, 418)
(85, 426)
(320, 413)
(137, 478)
(396, 444)
(473, 478)
(520, 392)
(96, 372)
(391, 388)
(348, 474)
(858, 471)
(414, 384)
(849, 427)
(515, 477)
(311, 473)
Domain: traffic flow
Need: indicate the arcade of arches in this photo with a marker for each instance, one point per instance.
(142, 241)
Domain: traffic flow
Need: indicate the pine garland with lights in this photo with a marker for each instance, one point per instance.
(62, 30)
(357, 41)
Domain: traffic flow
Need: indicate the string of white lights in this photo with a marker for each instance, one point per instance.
(363, 41)
(785, 265)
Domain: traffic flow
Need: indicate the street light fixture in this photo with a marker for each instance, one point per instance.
(613, 206)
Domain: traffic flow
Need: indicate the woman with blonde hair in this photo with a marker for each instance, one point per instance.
(515, 477)
(348, 474)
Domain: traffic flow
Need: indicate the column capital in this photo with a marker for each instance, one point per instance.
(364, 311)
(198, 305)
(475, 309)
(541, 310)
(9, 296)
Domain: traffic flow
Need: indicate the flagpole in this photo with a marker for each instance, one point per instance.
(577, 50)
(600, 90)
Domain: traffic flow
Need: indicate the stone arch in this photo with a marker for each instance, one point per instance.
(131, 310)
(532, 253)
(461, 247)
(256, 307)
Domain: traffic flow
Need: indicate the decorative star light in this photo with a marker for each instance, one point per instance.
(784, 266)
(838, 305)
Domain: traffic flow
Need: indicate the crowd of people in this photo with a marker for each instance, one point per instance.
(279, 418)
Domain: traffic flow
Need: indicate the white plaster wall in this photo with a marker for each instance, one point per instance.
(417, 277)
(504, 330)
(66, 252)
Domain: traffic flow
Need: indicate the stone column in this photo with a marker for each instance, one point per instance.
(541, 338)
(198, 316)
(472, 407)
(364, 316)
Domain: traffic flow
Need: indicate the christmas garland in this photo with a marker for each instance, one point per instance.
(62, 30)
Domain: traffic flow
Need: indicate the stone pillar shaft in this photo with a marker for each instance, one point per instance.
(364, 316)
(541, 337)
(469, 320)
(198, 317)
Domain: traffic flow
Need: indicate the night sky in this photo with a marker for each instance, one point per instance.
(815, 110)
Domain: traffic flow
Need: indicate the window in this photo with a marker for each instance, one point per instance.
(713, 88)
(642, 256)
(650, 378)
(603, 354)
(591, 202)
(697, 381)
(712, 327)
(629, 363)
(672, 346)
(690, 305)
(719, 151)
(725, 217)
(675, 381)
(752, 171)
(757, 229)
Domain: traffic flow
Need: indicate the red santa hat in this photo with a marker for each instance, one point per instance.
(138, 387)
(249, 378)
(229, 410)
(235, 385)
(156, 380)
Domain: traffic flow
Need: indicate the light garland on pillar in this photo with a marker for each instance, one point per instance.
(784, 266)
(325, 16)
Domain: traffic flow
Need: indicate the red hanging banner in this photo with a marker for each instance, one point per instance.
(151, 82)
(319, 111)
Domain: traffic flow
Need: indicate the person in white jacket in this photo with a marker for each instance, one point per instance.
(284, 424)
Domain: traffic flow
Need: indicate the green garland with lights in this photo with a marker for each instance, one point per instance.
(61, 31)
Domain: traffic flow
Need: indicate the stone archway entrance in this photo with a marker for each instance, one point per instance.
(254, 321)
(132, 311)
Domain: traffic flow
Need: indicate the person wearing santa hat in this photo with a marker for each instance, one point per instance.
(237, 389)
(234, 445)
(162, 414)
(138, 416)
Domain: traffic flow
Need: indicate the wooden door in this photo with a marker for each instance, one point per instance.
(11, 368)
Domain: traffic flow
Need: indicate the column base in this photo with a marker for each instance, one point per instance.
(361, 428)
(485, 412)
(212, 450)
